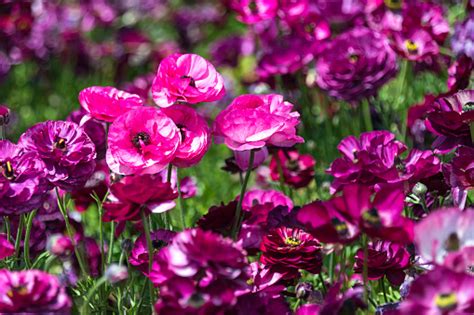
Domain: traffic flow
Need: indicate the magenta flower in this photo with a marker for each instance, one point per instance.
(297, 169)
(23, 184)
(460, 73)
(287, 250)
(32, 291)
(106, 103)
(139, 255)
(254, 11)
(6, 248)
(415, 45)
(242, 158)
(187, 79)
(130, 195)
(355, 64)
(254, 121)
(440, 291)
(459, 174)
(65, 148)
(140, 141)
(195, 135)
(260, 197)
(384, 259)
(444, 232)
(340, 11)
(450, 121)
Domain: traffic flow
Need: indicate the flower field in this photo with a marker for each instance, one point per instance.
(237, 157)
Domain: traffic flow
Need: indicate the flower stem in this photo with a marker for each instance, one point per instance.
(323, 285)
(365, 108)
(238, 210)
(90, 293)
(26, 243)
(7, 228)
(180, 201)
(19, 232)
(149, 244)
(365, 267)
(111, 242)
(382, 284)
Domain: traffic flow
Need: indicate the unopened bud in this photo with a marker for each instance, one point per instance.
(420, 189)
(116, 273)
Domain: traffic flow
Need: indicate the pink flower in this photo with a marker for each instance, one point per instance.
(186, 78)
(195, 135)
(253, 121)
(142, 141)
(260, 197)
(242, 158)
(6, 248)
(106, 103)
(254, 11)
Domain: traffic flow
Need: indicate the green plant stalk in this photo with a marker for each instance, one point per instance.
(180, 202)
(238, 210)
(365, 109)
(149, 244)
(382, 284)
(365, 268)
(19, 232)
(97, 285)
(26, 243)
(323, 285)
(111, 242)
(471, 128)
(7, 228)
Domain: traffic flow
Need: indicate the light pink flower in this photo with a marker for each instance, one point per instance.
(187, 78)
(253, 121)
(195, 135)
(142, 141)
(106, 103)
(242, 158)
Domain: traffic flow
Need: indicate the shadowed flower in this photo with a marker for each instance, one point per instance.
(254, 11)
(384, 259)
(254, 121)
(32, 291)
(297, 169)
(106, 103)
(259, 197)
(186, 78)
(242, 158)
(415, 45)
(94, 129)
(459, 174)
(463, 39)
(142, 141)
(6, 248)
(66, 150)
(460, 73)
(139, 254)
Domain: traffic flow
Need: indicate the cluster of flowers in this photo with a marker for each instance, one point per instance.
(392, 213)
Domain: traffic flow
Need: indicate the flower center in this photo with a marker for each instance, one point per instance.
(292, 165)
(141, 139)
(191, 80)
(253, 7)
(341, 227)
(452, 243)
(157, 244)
(411, 46)
(60, 144)
(446, 301)
(372, 218)
(182, 131)
(8, 171)
(310, 28)
(469, 106)
(21, 290)
(292, 241)
(394, 4)
(353, 57)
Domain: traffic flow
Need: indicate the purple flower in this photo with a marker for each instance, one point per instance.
(459, 174)
(23, 184)
(440, 291)
(415, 45)
(463, 39)
(355, 64)
(297, 169)
(340, 11)
(66, 150)
(384, 259)
(6, 248)
(227, 51)
(460, 74)
(139, 254)
(254, 11)
(94, 129)
(32, 291)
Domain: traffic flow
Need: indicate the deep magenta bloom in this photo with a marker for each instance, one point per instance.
(23, 183)
(463, 39)
(254, 121)
(260, 197)
(287, 250)
(106, 103)
(242, 158)
(228, 51)
(440, 291)
(195, 135)
(460, 73)
(254, 11)
(340, 11)
(32, 291)
(142, 141)
(187, 79)
(139, 254)
(297, 169)
(65, 148)
(94, 129)
(130, 195)
(384, 259)
(450, 120)
(355, 64)
(459, 174)
(220, 218)
(444, 232)
(6, 248)
(415, 45)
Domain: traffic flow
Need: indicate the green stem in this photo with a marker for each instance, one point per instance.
(365, 267)
(365, 108)
(101, 237)
(170, 172)
(382, 284)
(7, 228)
(2, 132)
(26, 243)
(97, 285)
(280, 172)
(111, 242)
(19, 233)
(471, 127)
(180, 201)
(146, 228)
(331, 267)
(238, 210)
(323, 285)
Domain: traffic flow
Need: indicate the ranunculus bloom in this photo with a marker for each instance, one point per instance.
(94, 129)
(297, 169)
(355, 64)
(59, 245)
(384, 259)
(254, 11)
(220, 218)
(106, 103)
(65, 148)
(444, 232)
(463, 39)
(287, 250)
(139, 254)
(195, 135)
(254, 121)
(6, 248)
(440, 291)
(450, 121)
(228, 50)
(242, 158)
(260, 197)
(32, 291)
(415, 45)
(148, 192)
(459, 174)
(23, 184)
(460, 73)
(188, 79)
(142, 141)
(340, 11)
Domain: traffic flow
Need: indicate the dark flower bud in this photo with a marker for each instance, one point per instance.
(420, 189)
(303, 290)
